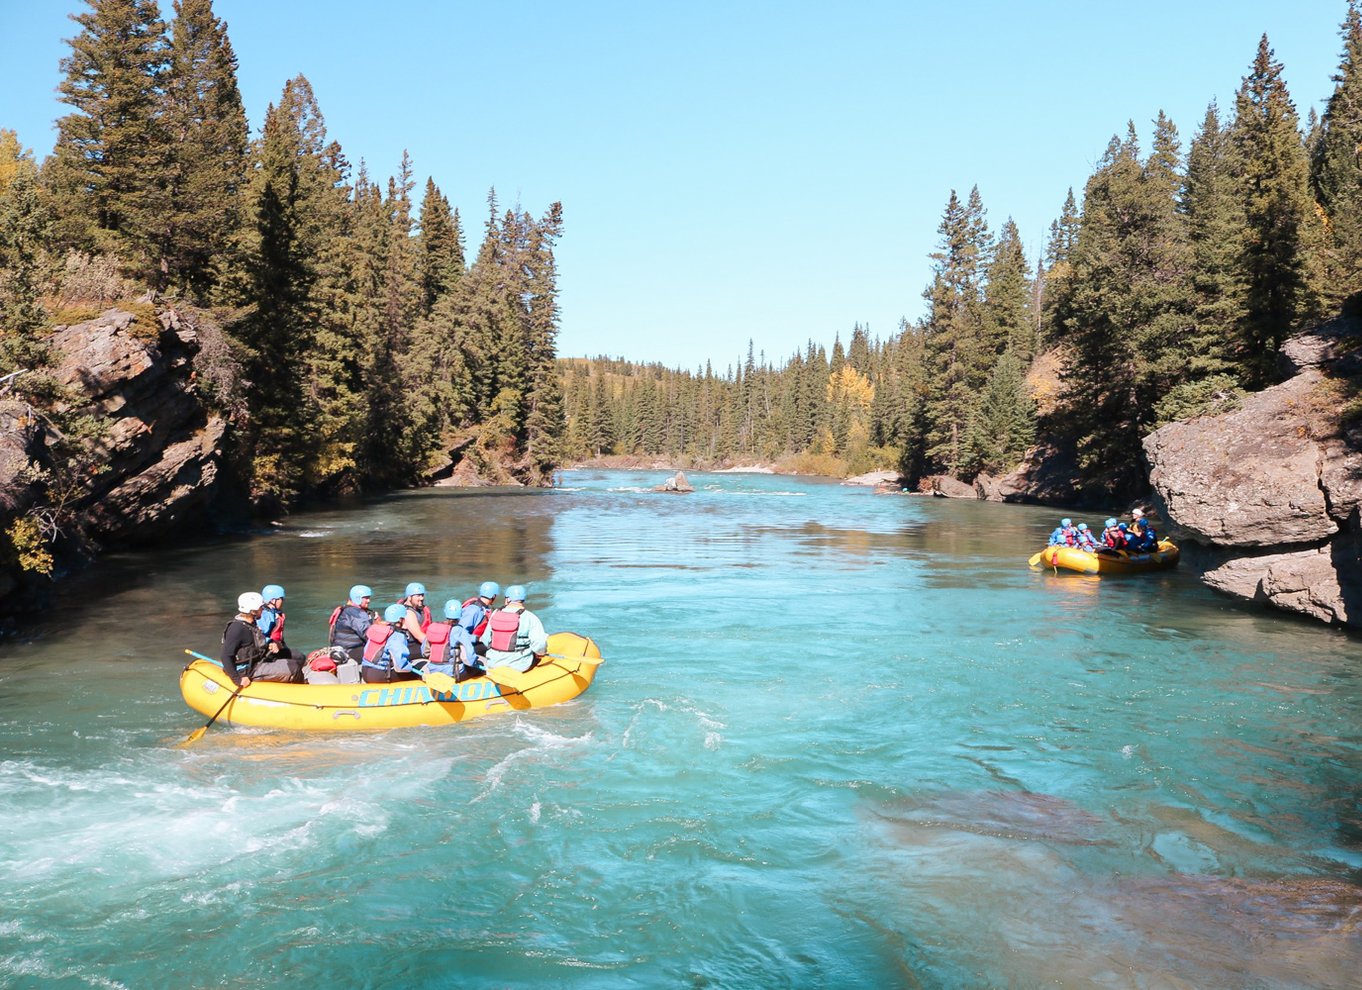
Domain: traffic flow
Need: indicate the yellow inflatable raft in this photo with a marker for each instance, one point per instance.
(564, 673)
(1107, 561)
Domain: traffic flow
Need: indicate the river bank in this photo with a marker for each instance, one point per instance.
(1268, 490)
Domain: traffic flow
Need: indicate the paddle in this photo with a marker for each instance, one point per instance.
(200, 656)
(1035, 559)
(197, 734)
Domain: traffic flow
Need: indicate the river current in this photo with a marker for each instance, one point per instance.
(839, 740)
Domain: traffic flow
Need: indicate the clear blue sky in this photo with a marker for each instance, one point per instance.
(732, 170)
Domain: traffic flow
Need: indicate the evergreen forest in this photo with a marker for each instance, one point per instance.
(343, 328)
(1161, 294)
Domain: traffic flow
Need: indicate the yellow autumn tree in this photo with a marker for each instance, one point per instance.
(849, 394)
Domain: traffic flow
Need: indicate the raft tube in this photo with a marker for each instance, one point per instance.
(1108, 561)
(564, 673)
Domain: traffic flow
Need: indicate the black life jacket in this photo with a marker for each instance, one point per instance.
(249, 653)
(506, 636)
(345, 635)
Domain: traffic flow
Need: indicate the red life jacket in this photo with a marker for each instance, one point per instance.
(1071, 537)
(482, 625)
(437, 635)
(375, 638)
(505, 626)
(277, 630)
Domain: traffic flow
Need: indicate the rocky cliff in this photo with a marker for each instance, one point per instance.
(156, 459)
(1272, 488)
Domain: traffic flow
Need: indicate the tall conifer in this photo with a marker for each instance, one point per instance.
(108, 175)
(1215, 231)
(1007, 322)
(1336, 173)
(956, 355)
(205, 125)
(1280, 287)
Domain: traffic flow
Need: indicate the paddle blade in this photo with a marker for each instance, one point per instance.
(440, 683)
(594, 661)
(1035, 559)
(194, 737)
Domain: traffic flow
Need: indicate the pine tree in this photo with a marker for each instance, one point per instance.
(281, 246)
(1279, 216)
(1336, 173)
(1057, 272)
(601, 430)
(334, 361)
(1007, 322)
(1004, 425)
(956, 354)
(1128, 301)
(24, 228)
(908, 429)
(442, 258)
(205, 125)
(543, 424)
(1207, 363)
(109, 173)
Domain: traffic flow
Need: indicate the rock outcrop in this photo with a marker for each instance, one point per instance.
(162, 449)
(157, 460)
(1047, 475)
(1274, 486)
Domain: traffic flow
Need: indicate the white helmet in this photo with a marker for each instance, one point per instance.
(249, 601)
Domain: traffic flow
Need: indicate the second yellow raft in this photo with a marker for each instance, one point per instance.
(1107, 561)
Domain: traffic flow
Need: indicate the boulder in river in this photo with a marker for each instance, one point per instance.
(676, 485)
(944, 486)
(875, 479)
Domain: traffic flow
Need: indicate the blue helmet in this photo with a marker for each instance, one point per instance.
(395, 613)
(1082, 526)
(1123, 526)
(1109, 523)
(361, 591)
(515, 593)
(489, 589)
(1066, 521)
(272, 591)
(453, 608)
(415, 588)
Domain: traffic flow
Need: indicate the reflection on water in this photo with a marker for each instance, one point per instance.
(839, 740)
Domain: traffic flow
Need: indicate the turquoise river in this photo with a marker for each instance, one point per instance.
(839, 740)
